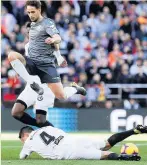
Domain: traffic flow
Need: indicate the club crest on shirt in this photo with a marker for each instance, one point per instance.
(40, 98)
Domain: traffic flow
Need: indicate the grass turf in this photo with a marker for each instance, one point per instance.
(10, 156)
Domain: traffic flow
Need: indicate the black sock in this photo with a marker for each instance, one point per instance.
(47, 123)
(113, 156)
(27, 119)
(120, 136)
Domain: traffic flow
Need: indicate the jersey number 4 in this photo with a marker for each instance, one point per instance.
(46, 138)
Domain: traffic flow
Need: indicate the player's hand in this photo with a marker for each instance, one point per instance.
(63, 64)
(49, 40)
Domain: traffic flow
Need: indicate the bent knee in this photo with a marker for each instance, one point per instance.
(107, 146)
(17, 110)
(16, 113)
(12, 56)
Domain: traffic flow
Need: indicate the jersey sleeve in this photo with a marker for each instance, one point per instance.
(26, 151)
(51, 28)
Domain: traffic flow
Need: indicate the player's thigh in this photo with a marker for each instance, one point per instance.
(99, 144)
(85, 153)
(57, 89)
(90, 142)
(48, 74)
(15, 55)
(45, 101)
(27, 97)
(30, 66)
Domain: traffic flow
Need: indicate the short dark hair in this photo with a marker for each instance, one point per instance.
(35, 3)
(26, 129)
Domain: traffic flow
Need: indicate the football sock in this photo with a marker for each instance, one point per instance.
(69, 91)
(47, 123)
(120, 136)
(27, 119)
(113, 156)
(21, 70)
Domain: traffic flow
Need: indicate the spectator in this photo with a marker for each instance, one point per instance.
(113, 40)
(7, 20)
(108, 104)
(135, 68)
(131, 104)
(125, 78)
(109, 79)
(103, 69)
(114, 56)
(107, 14)
(13, 83)
(126, 27)
(141, 34)
(141, 8)
(103, 26)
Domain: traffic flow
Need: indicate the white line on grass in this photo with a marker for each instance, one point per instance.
(118, 145)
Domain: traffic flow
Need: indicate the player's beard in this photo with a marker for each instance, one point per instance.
(35, 20)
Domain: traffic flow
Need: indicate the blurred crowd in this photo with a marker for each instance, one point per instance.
(104, 42)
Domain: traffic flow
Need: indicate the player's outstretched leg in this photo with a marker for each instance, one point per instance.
(80, 90)
(66, 92)
(18, 63)
(118, 137)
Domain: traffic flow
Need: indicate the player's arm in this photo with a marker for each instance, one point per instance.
(54, 37)
(61, 61)
(25, 152)
(23, 156)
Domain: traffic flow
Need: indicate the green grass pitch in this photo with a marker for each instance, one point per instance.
(10, 156)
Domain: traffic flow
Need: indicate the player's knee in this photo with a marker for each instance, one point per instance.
(107, 147)
(16, 113)
(17, 110)
(12, 56)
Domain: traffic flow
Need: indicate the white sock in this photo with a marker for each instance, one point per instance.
(69, 91)
(58, 56)
(21, 70)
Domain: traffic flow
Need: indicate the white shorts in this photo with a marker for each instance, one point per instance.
(80, 148)
(29, 97)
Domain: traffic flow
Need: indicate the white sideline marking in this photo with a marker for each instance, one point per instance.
(140, 137)
(117, 145)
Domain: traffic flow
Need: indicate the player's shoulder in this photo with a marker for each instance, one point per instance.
(48, 21)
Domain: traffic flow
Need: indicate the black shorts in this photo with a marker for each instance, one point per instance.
(47, 72)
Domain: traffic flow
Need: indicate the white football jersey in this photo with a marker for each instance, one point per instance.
(27, 54)
(53, 143)
(44, 142)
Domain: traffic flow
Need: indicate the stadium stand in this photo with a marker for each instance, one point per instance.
(104, 43)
